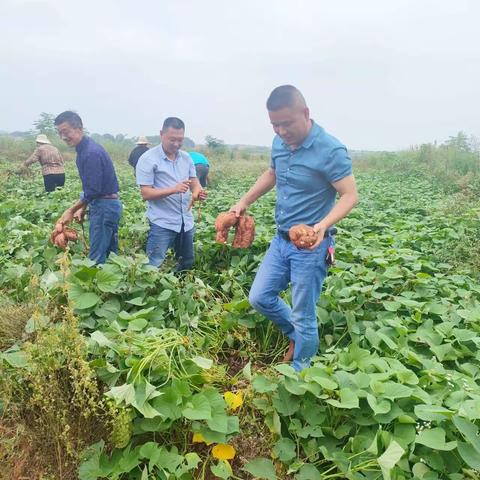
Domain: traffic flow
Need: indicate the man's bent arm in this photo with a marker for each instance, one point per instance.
(264, 184)
(347, 189)
(150, 193)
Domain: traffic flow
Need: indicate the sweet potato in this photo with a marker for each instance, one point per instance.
(244, 229)
(61, 235)
(302, 236)
(61, 241)
(71, 234)
(224, 222)
(244, 232)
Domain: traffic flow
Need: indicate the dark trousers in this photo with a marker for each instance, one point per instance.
(202, 173)
(53, 181)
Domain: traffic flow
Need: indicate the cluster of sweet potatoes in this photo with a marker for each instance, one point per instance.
(302, 236)
(244, 229)
(62, 234)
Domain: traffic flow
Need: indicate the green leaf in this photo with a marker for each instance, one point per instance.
(137, 325)
(16, 359)
(85, 300)
(285, 449)
(348, 399)
(287, 370)
(261, 468)
(469, 431)
(394, 390)
(317, 375)
(90, 467)
(198, 408)
(99, 338)
(284, 402)
(378, 406)
(434, 438)
(123, 393)
(202, 362)
(391, 306)
(164, 296)
(138, 301)
(308, 472)
(390, 458)
(222, 469)
(432, 412)
(470, 455)
(262, 384)
(108, 281)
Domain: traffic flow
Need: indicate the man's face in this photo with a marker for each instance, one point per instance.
(172, 140)
(291, 124)
(71, 136)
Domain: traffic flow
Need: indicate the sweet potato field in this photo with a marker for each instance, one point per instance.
(125, 371)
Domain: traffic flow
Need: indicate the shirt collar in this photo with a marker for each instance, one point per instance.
(164, 155)
(82, 144)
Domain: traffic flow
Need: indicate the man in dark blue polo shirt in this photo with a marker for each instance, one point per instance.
(309, 168)
(100, 188)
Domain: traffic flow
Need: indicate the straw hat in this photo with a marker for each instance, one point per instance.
(143, 141)
(42, 138)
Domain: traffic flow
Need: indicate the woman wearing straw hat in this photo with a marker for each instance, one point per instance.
(52, 163)
(138, 151)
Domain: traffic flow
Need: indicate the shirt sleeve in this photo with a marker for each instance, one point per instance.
(192, 171)
(145, 172)
(338, 165)
(34, 157)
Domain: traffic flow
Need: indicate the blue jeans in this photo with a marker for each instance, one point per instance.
(306, 270)
(104, 217)
(161, 239)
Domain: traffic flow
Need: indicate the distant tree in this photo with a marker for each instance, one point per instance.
(460, 142)
(108, 136)
(214, 143)
(45, 124)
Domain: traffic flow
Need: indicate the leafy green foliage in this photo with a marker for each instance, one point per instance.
(393, 393)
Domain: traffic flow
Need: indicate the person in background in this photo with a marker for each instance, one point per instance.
(51, 161)
(142, 146)
(201, 166)
(100, 188)
(166, 176)
(309, 168)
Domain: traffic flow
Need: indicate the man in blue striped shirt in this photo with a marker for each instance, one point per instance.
(100, 188)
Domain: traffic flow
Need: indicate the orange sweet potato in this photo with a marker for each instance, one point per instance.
(61, 241)
(224, 222)
(302, 236)
(71, 234)
(244, 232)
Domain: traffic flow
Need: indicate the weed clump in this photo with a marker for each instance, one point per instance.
(57, 399)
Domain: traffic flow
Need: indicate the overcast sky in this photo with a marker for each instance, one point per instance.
(376, 74)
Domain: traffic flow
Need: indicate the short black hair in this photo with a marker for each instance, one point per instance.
(72, 118)
(285, 96)
(173, 122)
